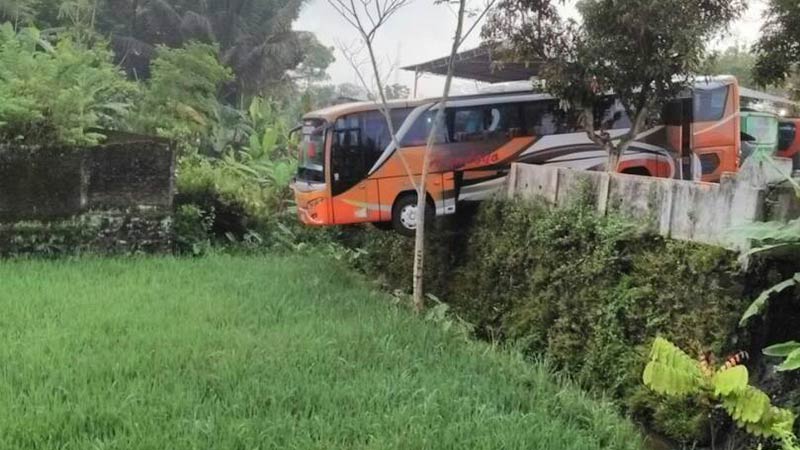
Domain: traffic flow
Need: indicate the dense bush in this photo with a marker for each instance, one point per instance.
(588, 292)
(58, 92)
(245, 187)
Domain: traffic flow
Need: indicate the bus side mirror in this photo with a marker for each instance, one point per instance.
(295, 130)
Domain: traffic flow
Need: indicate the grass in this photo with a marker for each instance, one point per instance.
(250, 353)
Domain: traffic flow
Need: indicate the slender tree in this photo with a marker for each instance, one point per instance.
(643, 51)
(367, 17)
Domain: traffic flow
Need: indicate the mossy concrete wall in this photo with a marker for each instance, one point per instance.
(685, 210)
(121, 191)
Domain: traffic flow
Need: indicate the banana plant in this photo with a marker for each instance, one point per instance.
(789, 351)
(264, 157)
(772, 237)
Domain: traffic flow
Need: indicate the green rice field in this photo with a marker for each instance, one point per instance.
(245, 352)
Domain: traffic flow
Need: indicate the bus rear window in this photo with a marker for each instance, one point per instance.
(311, 161)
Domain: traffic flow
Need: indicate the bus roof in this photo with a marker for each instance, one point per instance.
(332, 113)
(516, 91)
(757, 95)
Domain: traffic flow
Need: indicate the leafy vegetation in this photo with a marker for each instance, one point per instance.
(180, 99)
(256, 38)
(246, 188)
(735, 60)
(99, 232)
(197, 70)
(777, 48)
(790, 351)
(214, 353)
(58, 92)
(771, 237)
(672, 372)
(775, 237)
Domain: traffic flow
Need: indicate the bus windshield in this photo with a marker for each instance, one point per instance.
(311, 162)
(763, 128)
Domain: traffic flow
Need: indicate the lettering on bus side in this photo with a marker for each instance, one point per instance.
(460, 162)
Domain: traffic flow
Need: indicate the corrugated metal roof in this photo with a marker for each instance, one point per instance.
(481, 64)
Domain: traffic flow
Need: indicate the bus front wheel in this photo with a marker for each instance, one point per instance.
(404, 214)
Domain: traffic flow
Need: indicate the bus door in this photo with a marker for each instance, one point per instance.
(715, 131)
(354, 195)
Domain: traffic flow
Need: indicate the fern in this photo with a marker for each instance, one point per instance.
(672, 372)
(746, 406)
(730, 381)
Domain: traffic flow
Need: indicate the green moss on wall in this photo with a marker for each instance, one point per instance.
(103, 232)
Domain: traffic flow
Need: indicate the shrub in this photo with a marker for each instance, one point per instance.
(180, 98)
(58, 93)
(246, 185)
(192, 227)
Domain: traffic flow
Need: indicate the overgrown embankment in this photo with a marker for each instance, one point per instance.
(588, 292)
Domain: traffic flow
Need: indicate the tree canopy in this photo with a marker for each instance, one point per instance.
(735, 60)
(644, 51)
(254, 37)
(778, 49)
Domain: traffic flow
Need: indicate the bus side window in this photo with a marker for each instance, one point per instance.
(480, 123)
(468, 124)
(417, 135)
(542, 118)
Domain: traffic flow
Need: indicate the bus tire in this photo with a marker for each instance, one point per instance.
(404, 214)
(796, 161)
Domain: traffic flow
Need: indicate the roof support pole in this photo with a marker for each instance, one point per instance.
(416, 81)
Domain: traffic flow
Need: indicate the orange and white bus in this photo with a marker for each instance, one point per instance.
(350, 171)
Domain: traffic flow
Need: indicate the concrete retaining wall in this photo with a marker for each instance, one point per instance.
(129, 180)
(686, 210)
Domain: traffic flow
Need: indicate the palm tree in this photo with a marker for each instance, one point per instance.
(255, 37)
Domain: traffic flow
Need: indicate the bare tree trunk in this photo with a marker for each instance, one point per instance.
(422, 198)
(367, 17)
(614, 155)
(604, 140)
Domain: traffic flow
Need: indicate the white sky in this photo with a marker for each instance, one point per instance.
(423, 31)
